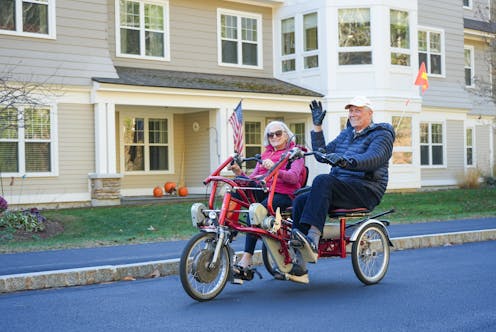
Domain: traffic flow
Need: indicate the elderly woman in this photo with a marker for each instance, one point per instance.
(278, 139)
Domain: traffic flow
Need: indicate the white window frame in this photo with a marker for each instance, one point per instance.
(428, 52)
(291, 56)
(404, 148)
(356, 49)
(472, 67)
(311, 53)
(142, 55)
(430, 144)
(399, 50)
(21, 140)
(474, 162)
(239, 40)
(19, 23)
(469, 4)
(146, 116)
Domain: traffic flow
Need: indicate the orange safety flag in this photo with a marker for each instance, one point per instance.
(422, 78)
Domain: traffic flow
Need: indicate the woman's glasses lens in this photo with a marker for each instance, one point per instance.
(277, 133)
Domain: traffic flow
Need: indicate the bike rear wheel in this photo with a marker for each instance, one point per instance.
(202, 279)
(370, 254)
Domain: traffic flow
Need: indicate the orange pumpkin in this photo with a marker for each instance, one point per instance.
(158, 192)
(182, 191)
(169, 187)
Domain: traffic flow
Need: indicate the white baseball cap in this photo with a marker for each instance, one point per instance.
(359, 101)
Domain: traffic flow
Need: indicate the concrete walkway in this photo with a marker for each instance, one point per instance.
(76, 267)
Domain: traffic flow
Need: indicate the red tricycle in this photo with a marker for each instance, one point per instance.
(207, 259)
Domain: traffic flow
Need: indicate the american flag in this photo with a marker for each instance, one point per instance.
(236, 121)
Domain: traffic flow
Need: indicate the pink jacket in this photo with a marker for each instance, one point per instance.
(288, 180)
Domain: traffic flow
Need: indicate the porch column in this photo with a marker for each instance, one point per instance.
(105, 182)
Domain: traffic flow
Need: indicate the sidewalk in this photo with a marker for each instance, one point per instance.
(75, 267)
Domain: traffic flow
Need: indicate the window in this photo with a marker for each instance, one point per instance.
(34, 18)
(288, 44)
(469, 146)
(240, 42)
(355, 46)
(310, 41)
(298, 129)
(400, 38)
(402, 149)
(431, 144)
(467, 4)
(27, 141)
(141, 29)
(146, 142)
(431, 51)
(469, 66)
(253, 139)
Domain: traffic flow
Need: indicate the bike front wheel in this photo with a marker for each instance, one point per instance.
(201, 278)
(370, 254)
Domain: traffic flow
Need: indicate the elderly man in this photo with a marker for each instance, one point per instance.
(361, 153)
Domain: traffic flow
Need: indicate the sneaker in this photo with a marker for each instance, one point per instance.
(309, 250)
(298, 274)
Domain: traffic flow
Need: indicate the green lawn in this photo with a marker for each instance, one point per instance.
(90, 227)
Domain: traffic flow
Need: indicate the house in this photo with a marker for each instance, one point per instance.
(136, 93)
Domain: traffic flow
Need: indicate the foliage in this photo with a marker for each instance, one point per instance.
(26, 221)
(471, 179)
(3, 205)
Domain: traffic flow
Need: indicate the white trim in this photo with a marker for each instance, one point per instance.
(48, 198)
(472, 62)
(259, 42)
(474, 154)
(444, 143)
(52, 25)
(428, 30)
(142, 55)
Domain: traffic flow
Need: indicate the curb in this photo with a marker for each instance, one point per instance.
(128, 272)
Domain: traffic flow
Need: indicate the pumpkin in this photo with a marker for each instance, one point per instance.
(158, 192)
(169, 187)
(182, 191)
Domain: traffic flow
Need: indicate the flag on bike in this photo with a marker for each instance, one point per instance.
(422, 78)
(236, 121)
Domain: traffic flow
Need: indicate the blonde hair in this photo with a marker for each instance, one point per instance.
(285, 128)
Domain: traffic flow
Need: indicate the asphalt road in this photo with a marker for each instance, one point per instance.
(448, 288)
(114, 255)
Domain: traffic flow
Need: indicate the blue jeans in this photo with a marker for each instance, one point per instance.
(282, 201)
(329, 193)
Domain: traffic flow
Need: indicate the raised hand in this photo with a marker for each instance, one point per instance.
(318, 113)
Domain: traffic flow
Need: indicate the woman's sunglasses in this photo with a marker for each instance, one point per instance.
(277, 133)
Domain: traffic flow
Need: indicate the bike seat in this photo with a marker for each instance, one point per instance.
(355, 212)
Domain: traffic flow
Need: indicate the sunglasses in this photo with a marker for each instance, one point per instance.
(277, 133)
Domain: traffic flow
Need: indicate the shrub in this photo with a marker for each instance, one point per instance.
(3, 204)
(471, 179)
(26, 220)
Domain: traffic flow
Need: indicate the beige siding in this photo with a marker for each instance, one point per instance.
(79, 52)
(196, 149)
(76, 156)
(482, 141)
(193, 38)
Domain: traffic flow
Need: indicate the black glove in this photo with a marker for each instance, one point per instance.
(317, 112)
(337, 159)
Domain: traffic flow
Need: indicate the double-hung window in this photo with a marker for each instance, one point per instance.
(431, 144)
(33, 18)
(399, 30)
(288, 46)
(27, 141)
(254, 141)
(467, 4)
(431, 51)
(469, 65)
(310, 41)
(240, 39)
(142, 29)
(146, 143)
(355, 41)
(403, 147)
(469, 146)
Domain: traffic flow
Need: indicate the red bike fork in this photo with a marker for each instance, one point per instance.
(342, 240)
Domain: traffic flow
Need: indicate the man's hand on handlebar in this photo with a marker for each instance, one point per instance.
(337, 159)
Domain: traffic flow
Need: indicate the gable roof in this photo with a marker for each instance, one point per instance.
(479, 25)
(204, 81)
